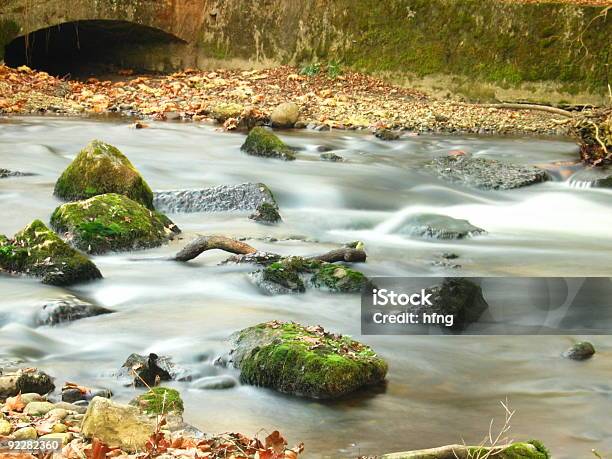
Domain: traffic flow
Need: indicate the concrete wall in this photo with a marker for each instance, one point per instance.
(483, 49)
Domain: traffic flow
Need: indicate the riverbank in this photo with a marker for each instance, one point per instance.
(326, 97)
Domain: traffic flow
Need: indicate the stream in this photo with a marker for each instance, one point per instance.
(441, 389)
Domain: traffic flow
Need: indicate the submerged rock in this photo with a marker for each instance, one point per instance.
(600, 177)
(487, 174)
(101, 168)
(333, 157)
(263, 142)
(266, 213)
(280, 278)
(459, 297)
(25, 381)
(112, 222)
(37, 251)
(242, 197)
(438, 227)
(4, 173)
(68, 309)
(117, 426)
(285, 115)
(582, 350)
(386, 134)
(305, 361)
(214, 382)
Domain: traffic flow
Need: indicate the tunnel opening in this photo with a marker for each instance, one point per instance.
(87, 48)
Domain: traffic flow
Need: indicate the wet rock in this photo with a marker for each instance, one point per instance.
(263, 142)
(38, 408)
(32, 397)
(257, 258)
(438, 227)
(112, 222)
(386, 134)
(339, 279)
(305, 361)
(580, 351)
(8, 364)
(101, 168)
(274, 280)
(68, 309)
(222, 112)
(285, 115)
(25, 433)
(37, 251)
(214, 382)
(242, 197)
(266, 213)
(160, 400)
(333, 157)
(4, 173)
(596, 177)
(487, 174)
(25, 381)
(459, 297)
(118, 426)
(71, 407)
(445, 260)
(74, 395)
(149, 370)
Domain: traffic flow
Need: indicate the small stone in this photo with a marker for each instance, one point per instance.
(580, 351)
(172, 116)
(38, 408)
(65, 437)
(59, 428)
(5, 428)
(70, 407)
(58, 413)
(333, 157)
(386, 134)
(32, 397)
(214, 383)
(266, 213)
(25, 433)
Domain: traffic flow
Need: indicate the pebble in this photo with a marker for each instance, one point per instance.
(5, 428)
(26, 433)
(38, 408)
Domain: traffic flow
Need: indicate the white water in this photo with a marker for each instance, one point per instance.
(440, 389)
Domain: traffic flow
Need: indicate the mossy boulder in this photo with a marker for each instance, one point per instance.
(266, 213)
(111, 222)
(339, 278)
(37, 251)
(262, 142)
(305, 361)
(101, 168)
(160, 400)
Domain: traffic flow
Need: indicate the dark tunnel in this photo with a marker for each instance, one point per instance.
(84, 48)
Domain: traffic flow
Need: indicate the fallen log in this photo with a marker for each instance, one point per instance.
(541, 108)
(514, 450)
(345, 254)
(204, 243)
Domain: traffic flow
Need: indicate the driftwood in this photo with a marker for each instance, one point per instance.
(542, 108)
(345, 254)
(457, 452)
(204, 243)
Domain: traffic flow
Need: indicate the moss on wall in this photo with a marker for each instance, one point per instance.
(8, 31)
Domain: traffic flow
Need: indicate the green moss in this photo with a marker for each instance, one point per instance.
(530, 450)
(305, 361)
(101, 168)
(161, 400)
(262, 142)
(338, 278)
(266, 213)
(39, 252)
(285, 275)
(222, 112)
(111, 222)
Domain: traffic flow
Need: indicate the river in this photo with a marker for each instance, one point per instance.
(441, 389)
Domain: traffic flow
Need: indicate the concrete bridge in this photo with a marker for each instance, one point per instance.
(482, 49)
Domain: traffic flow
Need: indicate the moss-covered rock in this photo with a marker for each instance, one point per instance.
(338, 278)
(266, 213)
(262, 142)
(305, 361)
(111, 222)
(161, 400)
(38, 251)
(101, 168)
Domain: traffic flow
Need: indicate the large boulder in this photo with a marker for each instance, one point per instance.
(37, 251)
(438, 227)
(305, 361)
(116, 425)
(224, 198)
(68, 309)
(101, 168)
(263, 142)
(24, 381)
(111, 222)
(487, 174)
(285, 115)
(339, 279)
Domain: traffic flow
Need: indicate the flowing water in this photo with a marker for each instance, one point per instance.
(440, 390)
